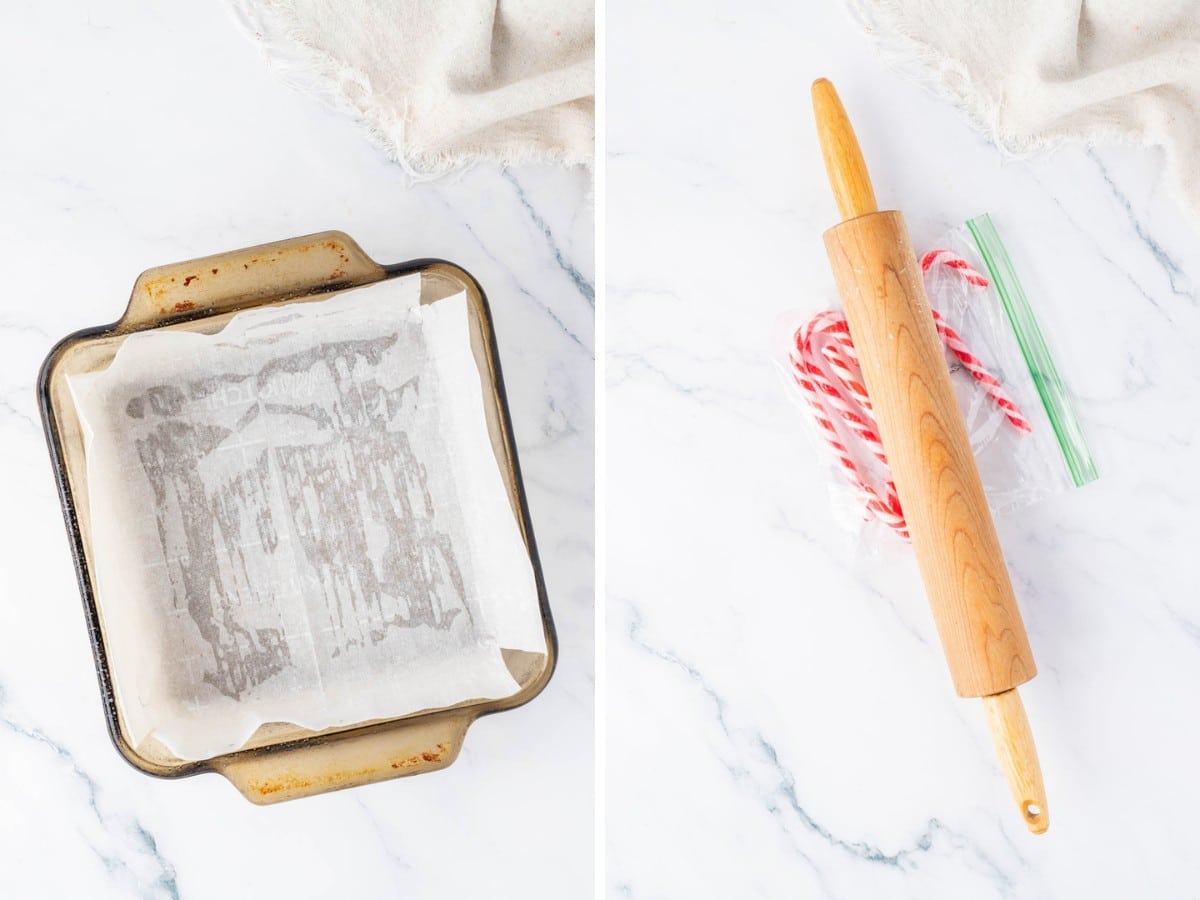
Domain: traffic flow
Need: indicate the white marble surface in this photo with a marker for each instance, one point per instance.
(138, 134)
(781, 722)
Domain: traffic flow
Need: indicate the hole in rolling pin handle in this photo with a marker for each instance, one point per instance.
(1032, 811)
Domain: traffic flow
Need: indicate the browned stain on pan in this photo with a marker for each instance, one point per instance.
(341, 777)
(159, 288)
(181, 307)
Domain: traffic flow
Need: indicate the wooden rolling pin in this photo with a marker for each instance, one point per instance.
(923, 433)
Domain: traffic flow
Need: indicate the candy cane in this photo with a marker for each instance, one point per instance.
(952, 261)
(823, 392)
(991, 384)
(825, 367)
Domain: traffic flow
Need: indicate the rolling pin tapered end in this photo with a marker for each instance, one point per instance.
(1018, 757)
(843, 159)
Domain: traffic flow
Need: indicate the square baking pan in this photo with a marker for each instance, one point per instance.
(282, 761)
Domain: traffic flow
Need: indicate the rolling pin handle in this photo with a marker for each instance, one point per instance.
(843, 159)
(1018, 757)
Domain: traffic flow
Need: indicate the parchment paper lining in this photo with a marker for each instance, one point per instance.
(301, 519)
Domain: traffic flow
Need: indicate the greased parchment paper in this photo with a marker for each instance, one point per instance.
(301, 519)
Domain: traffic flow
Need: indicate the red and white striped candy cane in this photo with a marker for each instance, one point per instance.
(953, 261)
(828, 400)
(825, 367)
(990, 383)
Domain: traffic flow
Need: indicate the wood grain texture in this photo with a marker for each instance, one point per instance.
(1018, 757)
(848, 174)
(923, 434)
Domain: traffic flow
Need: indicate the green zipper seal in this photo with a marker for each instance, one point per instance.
(1050, 387)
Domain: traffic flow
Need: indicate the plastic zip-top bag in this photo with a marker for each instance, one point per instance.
(1024, 431)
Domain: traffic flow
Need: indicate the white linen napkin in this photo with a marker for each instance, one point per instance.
(440, 85)
(1031, 73)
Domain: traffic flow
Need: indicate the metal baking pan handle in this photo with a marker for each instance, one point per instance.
(293, 268)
